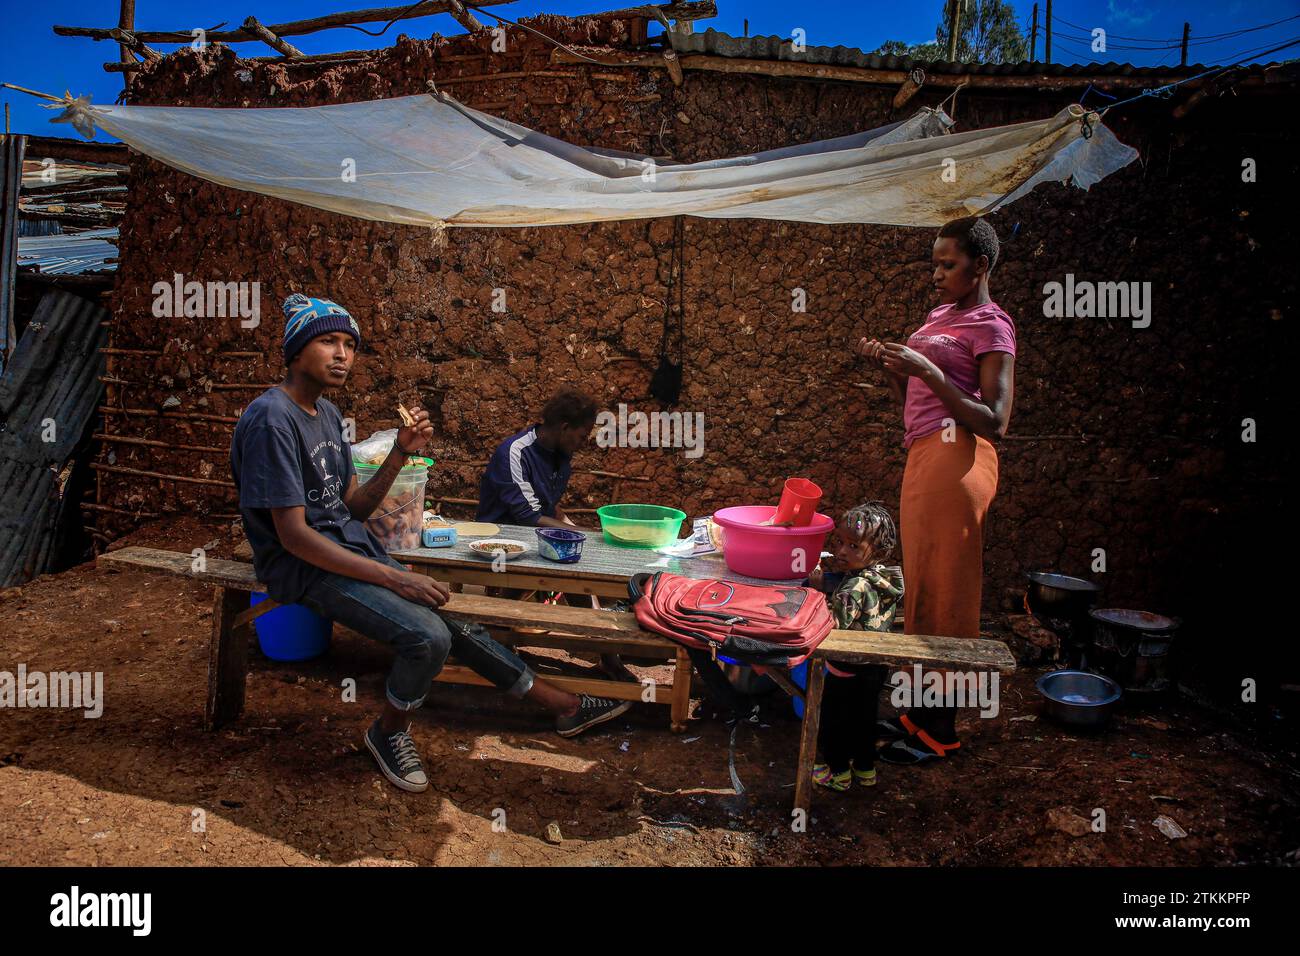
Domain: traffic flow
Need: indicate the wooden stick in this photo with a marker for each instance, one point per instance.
(132, 42)
(150, 413)
(120, 470)
(125, 23)
(115, 351)
(271, 40)
(464, 17)
(91, 506)
(288, 29)
(674, 67)
(853, 74)
(153, 443)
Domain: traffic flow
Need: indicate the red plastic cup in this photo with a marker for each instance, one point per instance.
(799, 500)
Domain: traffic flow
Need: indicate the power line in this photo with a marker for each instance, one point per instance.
(1177, 41)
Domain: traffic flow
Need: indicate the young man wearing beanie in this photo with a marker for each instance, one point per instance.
(304, 516)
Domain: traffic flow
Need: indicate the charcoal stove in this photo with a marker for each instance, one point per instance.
(1132, 647)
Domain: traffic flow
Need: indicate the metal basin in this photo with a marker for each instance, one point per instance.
(1059, 595)
(1078, 699)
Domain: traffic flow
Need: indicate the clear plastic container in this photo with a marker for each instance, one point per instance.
(398, 522)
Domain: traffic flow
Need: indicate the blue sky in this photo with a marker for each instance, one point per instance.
(32, 56)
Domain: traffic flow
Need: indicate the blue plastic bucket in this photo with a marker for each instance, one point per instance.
(800, 676)
(291, 632)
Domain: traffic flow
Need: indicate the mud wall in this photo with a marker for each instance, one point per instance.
(1123, 439)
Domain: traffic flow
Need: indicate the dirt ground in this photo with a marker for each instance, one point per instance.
(290, 782)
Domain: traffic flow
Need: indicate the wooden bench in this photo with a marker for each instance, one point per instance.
(551, 626)
(569, 628)
(890, 649)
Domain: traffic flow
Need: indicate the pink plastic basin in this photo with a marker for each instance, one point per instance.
(774, 554)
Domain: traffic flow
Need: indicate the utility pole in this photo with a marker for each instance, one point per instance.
(1033, 36)
(1187, 27)
(1047, 56)
(954, 23)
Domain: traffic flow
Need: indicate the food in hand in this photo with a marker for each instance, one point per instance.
(407, 418)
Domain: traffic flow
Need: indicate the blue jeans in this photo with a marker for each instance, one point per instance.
(422, 638)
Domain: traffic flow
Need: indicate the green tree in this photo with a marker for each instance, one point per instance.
(988, 33)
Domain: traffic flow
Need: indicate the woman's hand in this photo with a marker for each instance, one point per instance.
(871, 349)
(901, 360)
(412, 438)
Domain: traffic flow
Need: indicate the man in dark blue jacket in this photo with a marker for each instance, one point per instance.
(527, 474)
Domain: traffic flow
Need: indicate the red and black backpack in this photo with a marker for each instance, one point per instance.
(747, 623)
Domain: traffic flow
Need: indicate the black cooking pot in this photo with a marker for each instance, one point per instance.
(1059, 595)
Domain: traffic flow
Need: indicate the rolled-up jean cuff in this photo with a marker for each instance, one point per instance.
(522, 686)
(404, 705)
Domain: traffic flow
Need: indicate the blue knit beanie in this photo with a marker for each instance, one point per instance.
(306, 318)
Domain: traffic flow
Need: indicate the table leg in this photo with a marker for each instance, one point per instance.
(227, 659)
(681, 702)
(812, 715)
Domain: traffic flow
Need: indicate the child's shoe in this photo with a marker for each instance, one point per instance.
(823, 777)
(864, 778)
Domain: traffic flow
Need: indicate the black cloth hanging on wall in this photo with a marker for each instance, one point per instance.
(666, 382)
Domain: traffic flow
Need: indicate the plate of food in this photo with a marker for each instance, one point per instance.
(491, 547)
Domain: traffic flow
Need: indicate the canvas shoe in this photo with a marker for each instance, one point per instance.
(591, 711)
(397, 758)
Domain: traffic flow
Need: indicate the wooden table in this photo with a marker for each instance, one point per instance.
(603, 570)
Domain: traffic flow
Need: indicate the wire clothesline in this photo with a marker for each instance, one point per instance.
(1168, 88)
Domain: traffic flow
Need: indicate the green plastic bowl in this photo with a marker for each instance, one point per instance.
(640, 526)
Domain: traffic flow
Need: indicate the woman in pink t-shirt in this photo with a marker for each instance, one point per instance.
(955, 378)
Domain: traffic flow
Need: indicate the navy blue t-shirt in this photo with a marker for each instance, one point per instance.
(284, 457)
(523, 481)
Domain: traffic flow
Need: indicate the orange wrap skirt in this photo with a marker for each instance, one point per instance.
(947, 489)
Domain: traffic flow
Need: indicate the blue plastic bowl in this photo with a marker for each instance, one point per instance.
(559, 545)
(291, 632)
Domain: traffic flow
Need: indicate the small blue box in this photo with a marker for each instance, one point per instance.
(439, 537)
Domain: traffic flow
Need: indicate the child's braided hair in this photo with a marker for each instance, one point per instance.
(871, 522)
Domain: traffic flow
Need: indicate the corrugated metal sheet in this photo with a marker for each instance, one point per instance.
(70, 253)
(714, 43)
(11, 175)
(53, 376)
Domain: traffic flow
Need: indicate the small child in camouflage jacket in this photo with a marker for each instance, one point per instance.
(863, 594)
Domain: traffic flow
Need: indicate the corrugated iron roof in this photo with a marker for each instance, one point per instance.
(70, 253)
(715, 43)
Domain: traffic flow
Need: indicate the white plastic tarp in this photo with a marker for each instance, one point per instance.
(428, 160)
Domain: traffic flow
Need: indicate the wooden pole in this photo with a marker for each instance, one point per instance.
(271, 40)
(464, 17)
(954, 24)
(1047, 35)
(1033, 36)
(126, 21)
(1187, 27)
(291, 28)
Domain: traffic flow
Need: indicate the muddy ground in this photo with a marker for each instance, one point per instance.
(290, 783)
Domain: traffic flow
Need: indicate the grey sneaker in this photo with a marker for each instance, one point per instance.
(591, 711)
(397, 758)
